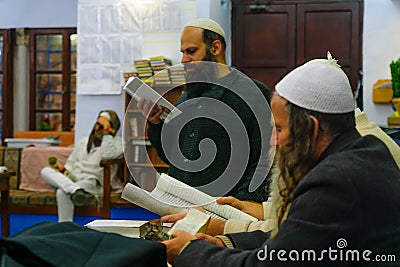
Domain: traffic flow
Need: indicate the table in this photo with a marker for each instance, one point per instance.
(5, 212)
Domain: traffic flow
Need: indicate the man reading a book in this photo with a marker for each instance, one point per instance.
(339, 190)
(201, 146)
(266, 212)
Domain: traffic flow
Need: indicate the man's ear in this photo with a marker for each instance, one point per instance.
(316, 127)
(216, 47)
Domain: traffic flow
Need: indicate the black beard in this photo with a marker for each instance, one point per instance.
(209, 57)
(202, 75)
(195, 89)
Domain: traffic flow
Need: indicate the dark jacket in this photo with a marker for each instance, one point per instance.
(211, 118)
(349, 201)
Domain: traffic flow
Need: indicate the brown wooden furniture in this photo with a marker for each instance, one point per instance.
(45, 203)
(5, 212)
(270, 38)
(66, 138)
(35, 202)
(382, 91)
(7, 38)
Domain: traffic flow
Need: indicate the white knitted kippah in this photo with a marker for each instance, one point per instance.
(319, 85)
(106, 115)
(207, 24)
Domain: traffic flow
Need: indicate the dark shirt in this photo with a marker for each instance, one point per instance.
(209, 139)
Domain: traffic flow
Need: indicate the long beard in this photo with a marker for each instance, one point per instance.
(294, 162)
(97, 137)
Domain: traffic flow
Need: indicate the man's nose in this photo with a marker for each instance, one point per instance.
(185, 59)
(273, 140)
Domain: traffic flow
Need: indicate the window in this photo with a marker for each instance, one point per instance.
(53, 61)
(6, 78)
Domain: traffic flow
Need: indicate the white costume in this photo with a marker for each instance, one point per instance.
(85, 168)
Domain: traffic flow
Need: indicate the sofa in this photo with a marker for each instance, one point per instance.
(30, 194)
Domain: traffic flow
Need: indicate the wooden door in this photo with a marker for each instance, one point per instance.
(263, 40)
(333, 27)
(269, 40)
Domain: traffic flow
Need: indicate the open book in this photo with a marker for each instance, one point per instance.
(194, 222)
(138, 90)
(171, 196)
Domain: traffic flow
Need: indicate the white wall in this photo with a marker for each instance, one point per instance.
(220, 11)
(381, 45)
(38, 13)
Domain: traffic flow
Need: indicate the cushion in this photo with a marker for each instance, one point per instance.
(33, 159)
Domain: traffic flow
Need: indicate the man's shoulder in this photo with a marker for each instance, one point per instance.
(267, 92)
(260, 84)
(242, 81)
(365, 155)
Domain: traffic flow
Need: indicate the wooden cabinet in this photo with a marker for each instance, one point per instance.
(141, 158)
(270, 38)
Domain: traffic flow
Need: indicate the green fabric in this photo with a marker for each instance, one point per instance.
(69, 244)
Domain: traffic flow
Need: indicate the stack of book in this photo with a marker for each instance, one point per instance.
(144, 70)
(128, 70)
(160, 65)
(177, 74)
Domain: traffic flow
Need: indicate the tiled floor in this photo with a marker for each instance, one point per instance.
(19, 222)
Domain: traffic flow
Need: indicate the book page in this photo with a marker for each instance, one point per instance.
(201, 199)
(177, 201)
(196, 197)
(194, 222)
(170, 199)
(172, 196)
(144, 199)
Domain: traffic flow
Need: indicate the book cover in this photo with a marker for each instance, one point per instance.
(138, 90)
(134, 127)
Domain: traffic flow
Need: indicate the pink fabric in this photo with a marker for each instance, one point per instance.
(33, 159)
